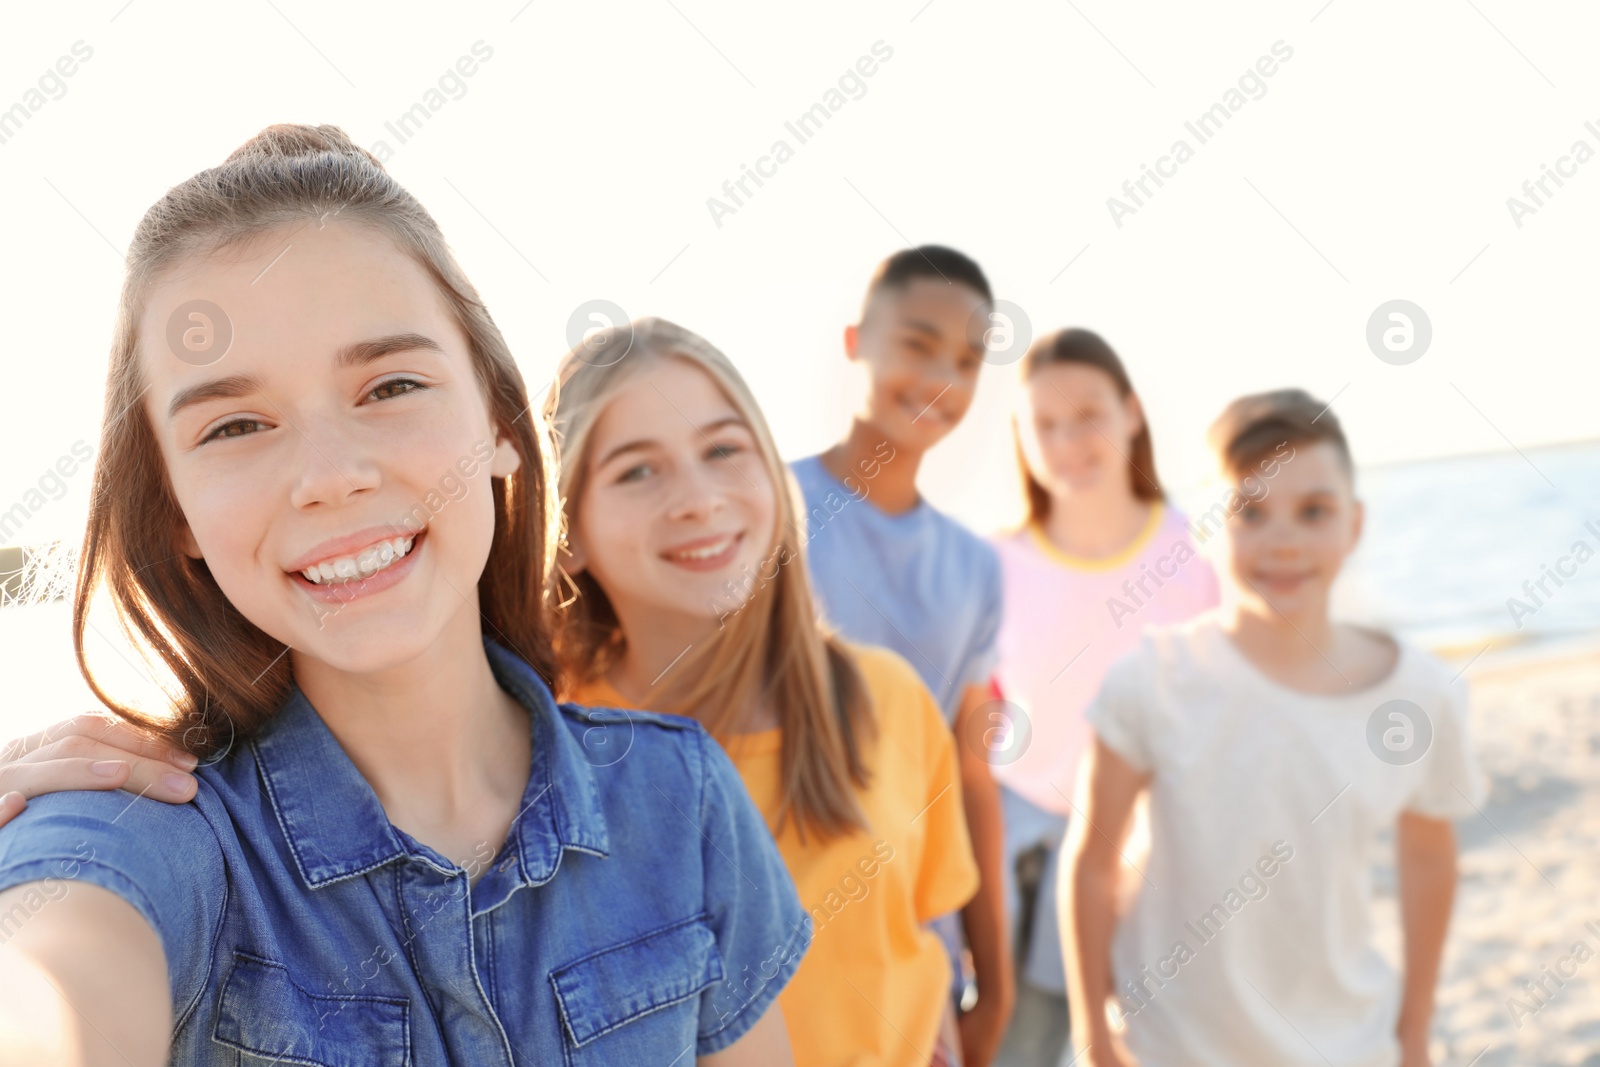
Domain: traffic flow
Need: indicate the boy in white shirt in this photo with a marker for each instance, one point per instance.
(1276, 745)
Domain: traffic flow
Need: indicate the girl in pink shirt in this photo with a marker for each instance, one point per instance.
(1100, 556)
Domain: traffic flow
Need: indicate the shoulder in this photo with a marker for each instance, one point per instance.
(1173, 519)
(1424, 673)
(959, 536)
(975, 555)
(645, 749)
(166, 860)
(811, 475)
(1173, 533)
(1175, 651)
(606, 734)
(899, 695)
(143, 833)
(882, 668)
(1008, 538)
(579, 717)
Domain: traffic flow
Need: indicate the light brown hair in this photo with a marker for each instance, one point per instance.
(1076, 345)
(1252, 426)
(773, 647)
(232, 677)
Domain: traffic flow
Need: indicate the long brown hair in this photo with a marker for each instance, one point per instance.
(231, 676)
(773, 648)
(1075, 345)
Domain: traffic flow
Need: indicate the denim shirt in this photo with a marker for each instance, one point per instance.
(638, 912)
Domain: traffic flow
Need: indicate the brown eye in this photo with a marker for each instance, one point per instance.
(395, 387)
(236, 428)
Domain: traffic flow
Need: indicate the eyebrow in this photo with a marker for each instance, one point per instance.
(922, 326)
(358, 354)
(641, 444)
(932, 330)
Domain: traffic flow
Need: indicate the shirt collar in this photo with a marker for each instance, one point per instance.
(336, 828)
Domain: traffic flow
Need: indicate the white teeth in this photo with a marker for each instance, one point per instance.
(365, 564)
(703, 553)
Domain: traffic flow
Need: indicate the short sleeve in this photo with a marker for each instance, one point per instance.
(986, 639)
(948, 875)
(751, 905)
(1452, 783)
(1120, 712)
(162, 859)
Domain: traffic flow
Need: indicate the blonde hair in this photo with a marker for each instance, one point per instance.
(232, 676)
(772, 649)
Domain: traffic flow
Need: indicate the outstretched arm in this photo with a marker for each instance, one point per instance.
(85, 980)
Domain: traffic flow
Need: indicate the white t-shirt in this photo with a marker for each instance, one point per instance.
(1248, 941)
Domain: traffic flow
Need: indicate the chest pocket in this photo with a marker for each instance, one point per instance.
(265, 1015)
(639, 999)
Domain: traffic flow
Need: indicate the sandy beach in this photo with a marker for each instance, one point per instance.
(1530, 872)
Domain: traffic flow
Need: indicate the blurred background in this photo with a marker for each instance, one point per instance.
(580, 157)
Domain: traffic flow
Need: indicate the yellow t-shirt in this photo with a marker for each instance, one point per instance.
(873, 986)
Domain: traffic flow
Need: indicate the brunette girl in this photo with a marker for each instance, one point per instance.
(1100, 556)
(322, 503)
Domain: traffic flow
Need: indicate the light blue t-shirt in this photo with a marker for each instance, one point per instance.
(919, 582)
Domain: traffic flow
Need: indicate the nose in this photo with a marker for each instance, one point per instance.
(330, 463)
(695, 494)
(1283, 540)
(941, 374)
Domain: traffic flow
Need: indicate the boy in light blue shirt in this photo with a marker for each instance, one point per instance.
(890, 569)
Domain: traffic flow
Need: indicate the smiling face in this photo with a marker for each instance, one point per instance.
(344, 434)
(677, 509)
(923, 346)
(1284, 550)
(1077, 429)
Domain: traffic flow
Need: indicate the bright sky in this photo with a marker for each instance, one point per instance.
(576, 161)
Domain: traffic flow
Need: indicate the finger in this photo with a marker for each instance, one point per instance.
(82, 746)
(149, 778)
(11, 806)
(103, 728)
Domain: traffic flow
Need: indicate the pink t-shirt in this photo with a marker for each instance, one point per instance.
(1065, 620)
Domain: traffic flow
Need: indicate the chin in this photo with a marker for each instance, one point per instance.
(365, 646)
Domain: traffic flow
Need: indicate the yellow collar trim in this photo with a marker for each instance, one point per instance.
(1129, 552)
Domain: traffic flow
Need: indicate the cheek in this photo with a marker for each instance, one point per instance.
(961, 394)
(893, 374)
(1333, 541)
(611, 528)
(761, 509)
(228, 518)
(1239, 548)
(1121, 429)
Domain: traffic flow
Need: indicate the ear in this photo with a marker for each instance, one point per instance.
(852, 338)
(1357, 521)
(186, 542)
(507, 460)
(1135, 413)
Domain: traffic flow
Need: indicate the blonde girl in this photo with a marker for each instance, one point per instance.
(690, 595)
